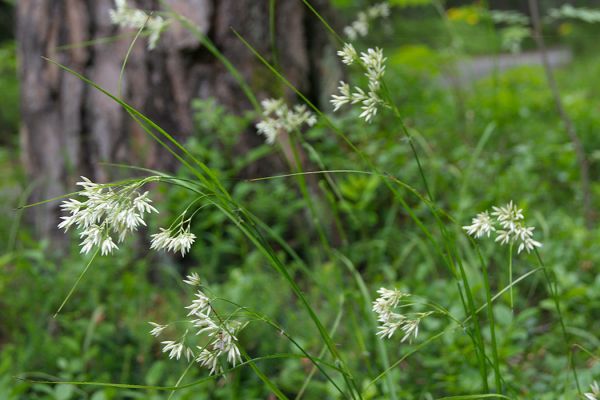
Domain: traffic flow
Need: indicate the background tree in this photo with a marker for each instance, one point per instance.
(69, 128)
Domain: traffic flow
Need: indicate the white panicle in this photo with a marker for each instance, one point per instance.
(511, 228)
(106, 215)
(595, 392)
(178, 240)
(348, 54)
(174, 348)
(157, 329)
(278, 117)
(360, 26)
(155, 26)
(219, 334)
(344, 97)
(209, 360)
(374, 63)
(480, 225)
(127, 17)
(200, 306)
(508, 216)
(387, 301)
(390, 321)
(192, 279)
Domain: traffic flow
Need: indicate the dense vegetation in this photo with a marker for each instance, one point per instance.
(343, 235)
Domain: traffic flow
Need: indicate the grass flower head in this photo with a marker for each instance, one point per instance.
(508, 223)
(278, 117)
(218, 333)
(386, 307)
(106, 215)
(127, 17)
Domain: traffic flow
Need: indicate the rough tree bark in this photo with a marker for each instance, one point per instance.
(69, 128)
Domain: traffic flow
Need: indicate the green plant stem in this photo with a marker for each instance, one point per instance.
(510, 276)
(76, 283)
(124, 64)
(492, 320)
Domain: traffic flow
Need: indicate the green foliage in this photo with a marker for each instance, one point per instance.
(9, 87)
(496, 139)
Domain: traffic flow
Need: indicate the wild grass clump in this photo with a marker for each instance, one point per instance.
(455, 316)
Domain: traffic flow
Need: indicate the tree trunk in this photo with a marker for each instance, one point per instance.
(69, 128)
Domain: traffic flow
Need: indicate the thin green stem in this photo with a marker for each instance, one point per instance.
(492, 320)
(76, 283)
(122, 71)
(510, 276)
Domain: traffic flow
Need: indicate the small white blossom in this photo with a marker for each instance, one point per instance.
(510, 220)
(182, 242)
(106, 215)
(155, 26)
(278, 117)
(107, 246)
(348, 54)
(508, 216)
(177, 241)
(200, 305)
(174, 348)
(127, 17)
(192, 279)
(524, 235)
(374, 63)
(504, 237)
(160, 240)
(390, 324)
(219, 334)
(391, 321)
(480, 225)
(595, 392)
(369, 107)
(344, 97)
(157, 329)
(386, 302)
(210, 360)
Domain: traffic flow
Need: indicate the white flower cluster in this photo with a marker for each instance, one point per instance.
(512, 228)
(360, 27)
(105, 213)
(278, 117)
(127, 17)
(391, 321)
(175, 240)
(595, 392)
(374, 63)
(220, 335)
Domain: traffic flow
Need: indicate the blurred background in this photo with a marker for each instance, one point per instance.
(472, 88)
